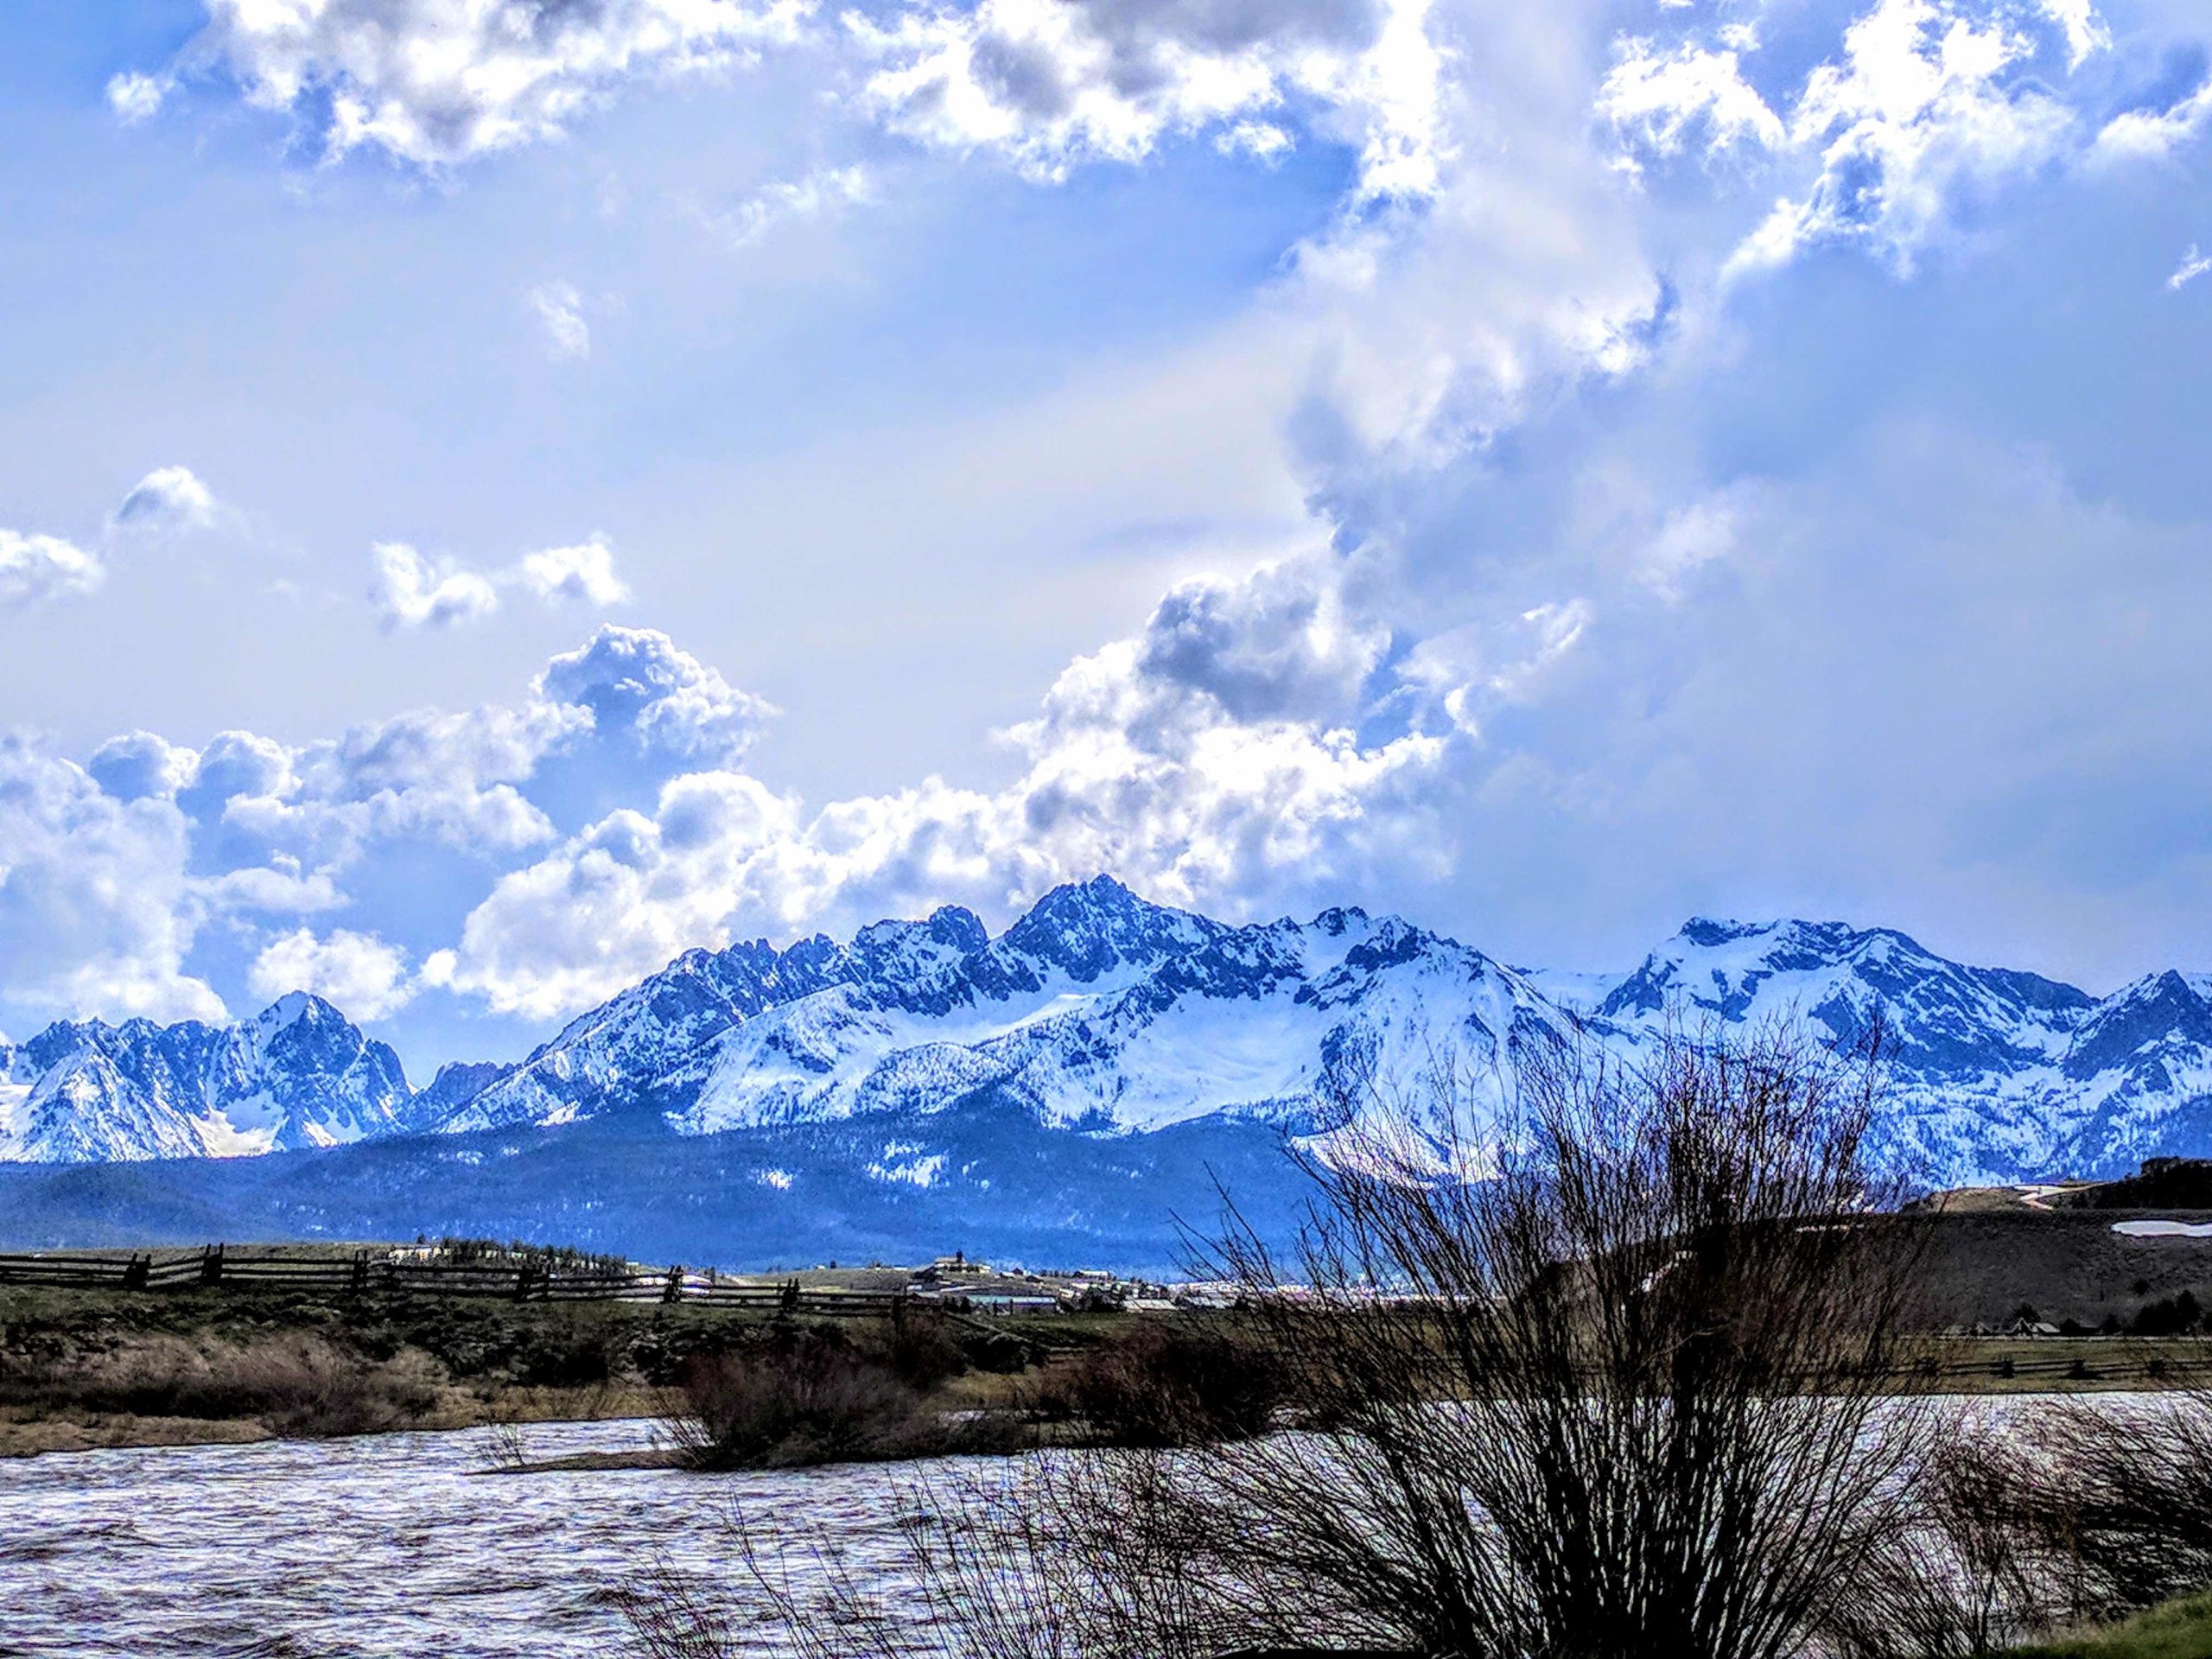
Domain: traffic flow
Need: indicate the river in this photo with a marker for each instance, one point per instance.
(404, 1547)
(393, 1545)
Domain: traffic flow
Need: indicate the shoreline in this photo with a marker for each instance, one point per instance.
(23, 1438)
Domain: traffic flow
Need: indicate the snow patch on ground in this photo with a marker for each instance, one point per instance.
(2161, 1228)
(899, 1164)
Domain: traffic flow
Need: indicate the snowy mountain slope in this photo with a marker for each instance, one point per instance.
(17, 1074)
(1100, 1013)
(1246, 1021)
(1076, 940)
(297, 1075)
(1993, 1073)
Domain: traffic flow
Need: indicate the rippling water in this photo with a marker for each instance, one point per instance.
(393, 1545)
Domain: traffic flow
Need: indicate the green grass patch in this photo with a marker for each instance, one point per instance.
(2180, 1629)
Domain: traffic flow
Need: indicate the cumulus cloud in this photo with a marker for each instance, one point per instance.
(1662, 99)
(1922, 106)
(169, 498)
(435, 82)
(639, 687)
(359, 972)
(1925, 104)
(136, 97)
(1050, 84)
(1210, 758)
(97, 913)
(34, 568)
(559, 311)
(2156, 134)
(295, 829)
(584, 572)
(1429, 334)
(414, 592)
(140, 766)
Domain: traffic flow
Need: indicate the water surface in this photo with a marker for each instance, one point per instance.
(385, 1546)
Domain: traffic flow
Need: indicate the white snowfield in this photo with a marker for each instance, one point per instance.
(2151, 1228)
(1102, 1012)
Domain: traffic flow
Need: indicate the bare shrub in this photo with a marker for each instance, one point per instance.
(1609, 1383)
(303, 1389)
(920, 1348)
(1972, 1572)
(2124, 1495)
(1623, 1394)
(810, 1399)
(1162, 1384)
(309, 1390)
(1040, 1561)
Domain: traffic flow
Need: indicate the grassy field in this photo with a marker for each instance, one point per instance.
(86, 1369)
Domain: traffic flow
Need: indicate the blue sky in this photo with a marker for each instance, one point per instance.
(492, 495)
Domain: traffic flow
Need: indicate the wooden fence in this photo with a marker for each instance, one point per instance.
(364, 1273)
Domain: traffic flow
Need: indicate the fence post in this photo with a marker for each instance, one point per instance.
(673, 1290)
(140, 1270)
(787, 1297)
(211, 1265)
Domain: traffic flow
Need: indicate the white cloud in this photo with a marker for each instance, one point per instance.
(1921, 107)
(2086, 32)
(1431, 334)
(1052, 84)
(434, 82)
(1658, 97)
(34, 568)
(97, 912)
(1212, 758)
(136, 97)
(1471, 672)
(2156, 135)
(639, 689)
(366, 978)
(585, 572)
(1693, 537)
(435, 776)
(1926, 104)
(824, 193)
(412, 592)
(169, 498)
(2193, 265)
(140, 766)
(559, 311)
(291, 830)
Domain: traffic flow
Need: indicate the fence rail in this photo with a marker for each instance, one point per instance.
(362, 1273)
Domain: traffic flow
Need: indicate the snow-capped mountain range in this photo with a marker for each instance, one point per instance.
(299, 1074)
(1101, 1014)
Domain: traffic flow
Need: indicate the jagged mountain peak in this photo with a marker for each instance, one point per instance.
(1087, 929)
(298, 1074)
(293, 1007)
(1104, 1011)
